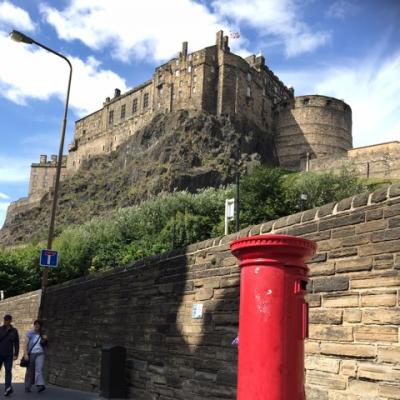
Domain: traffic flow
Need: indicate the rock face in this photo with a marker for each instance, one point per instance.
(184, 150)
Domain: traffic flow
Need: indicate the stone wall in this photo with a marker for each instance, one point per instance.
(353, 350)
(24, 309)
(376, 161)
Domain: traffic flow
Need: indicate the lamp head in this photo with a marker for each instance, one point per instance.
(20, 37)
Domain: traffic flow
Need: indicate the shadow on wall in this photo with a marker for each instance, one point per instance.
(147, 308)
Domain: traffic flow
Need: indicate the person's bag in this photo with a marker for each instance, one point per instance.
(24, 363)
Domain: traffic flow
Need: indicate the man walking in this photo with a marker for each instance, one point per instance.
(9, 349)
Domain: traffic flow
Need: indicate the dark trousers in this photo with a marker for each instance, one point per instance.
(8, 362)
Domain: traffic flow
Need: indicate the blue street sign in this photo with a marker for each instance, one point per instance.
(48, 258)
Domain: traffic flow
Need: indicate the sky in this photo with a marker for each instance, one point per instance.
(348, 49)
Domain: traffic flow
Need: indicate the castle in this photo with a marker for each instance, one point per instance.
(310, 132)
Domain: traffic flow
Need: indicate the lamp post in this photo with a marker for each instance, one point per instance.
(20, 37)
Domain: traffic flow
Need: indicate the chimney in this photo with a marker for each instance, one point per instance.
(225, 43)
(220, 37)
(184, 50)
(43, 159)
(117, 93)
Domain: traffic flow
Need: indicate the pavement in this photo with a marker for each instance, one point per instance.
(51, 393)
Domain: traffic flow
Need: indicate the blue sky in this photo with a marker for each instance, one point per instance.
(349, 49)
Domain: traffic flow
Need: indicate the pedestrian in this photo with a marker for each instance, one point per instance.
(9, 349)
(34, 353)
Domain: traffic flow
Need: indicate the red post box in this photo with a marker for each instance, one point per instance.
(273, 317)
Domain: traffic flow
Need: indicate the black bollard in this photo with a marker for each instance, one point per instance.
(112, 376)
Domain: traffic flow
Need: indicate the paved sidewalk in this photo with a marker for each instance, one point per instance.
(51, 393)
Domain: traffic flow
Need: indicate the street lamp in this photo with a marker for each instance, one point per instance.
(20, 37)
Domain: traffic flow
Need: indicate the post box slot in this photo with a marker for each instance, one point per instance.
(300, 286)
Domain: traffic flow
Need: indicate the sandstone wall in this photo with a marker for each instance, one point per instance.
(317, 125)
(24, 309)
(353, 350)
(377, 161)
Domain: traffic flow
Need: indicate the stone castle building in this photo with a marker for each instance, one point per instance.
(310, 132)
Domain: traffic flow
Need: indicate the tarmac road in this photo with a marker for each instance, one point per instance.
(51, 393)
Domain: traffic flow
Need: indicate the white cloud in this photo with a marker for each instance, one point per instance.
(369, 86)
(47, 76)
(14, 17)
(341, 9)
(3, 196)
(278, 18)
(151, 29)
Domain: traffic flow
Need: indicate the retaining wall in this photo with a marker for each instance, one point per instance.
(353, 352)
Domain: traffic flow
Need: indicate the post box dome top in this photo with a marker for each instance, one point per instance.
(288, 250)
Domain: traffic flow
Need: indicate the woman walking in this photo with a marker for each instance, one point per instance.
(34, 352)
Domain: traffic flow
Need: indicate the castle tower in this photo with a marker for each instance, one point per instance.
(311, 127)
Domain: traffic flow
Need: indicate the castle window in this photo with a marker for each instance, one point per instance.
(328, 102)
(194, 89)
(177, 61)
(306, 101)
(84, 131)
(158, 105)
(249, 77)
(123, 108)
(189, 68)
(177, 72)
(145, 100)
(160, 91)
(212, 69)
(190, 57)
(194, 78)
(248, 91)
(180, 83)
(134, 106)
(111, 117)
(179, 93)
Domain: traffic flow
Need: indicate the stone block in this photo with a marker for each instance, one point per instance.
(340, 300)
(303, 229)
(382, 316)
(378, 372)
(330, 284)
(375, 334)
(313, 300)
(352, 316)
(326, 316)
(390, 391)
(349, 350)
(356, 264)
(360, 200)
(380, 195)
(309, 215)
(375, 281)
(325, 379)
(379, 299)
(348, 367)
(394, 223)
(311, 347)
(321, 363)
(389, 354)
(389, 234)
(371, 226)
(325, 210)
(379, 248)
(314, 393)
(337, 221)
(391, 211)
(363, 388)
(230, 282)
(343, 232)
(374, 214)
(344, 204)
(331, 333)
(204, 294)
(320, 269)
(343, 252)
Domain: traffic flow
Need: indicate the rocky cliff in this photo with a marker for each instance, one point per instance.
(177, 151)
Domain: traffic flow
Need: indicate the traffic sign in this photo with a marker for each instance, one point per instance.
(48, 258)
